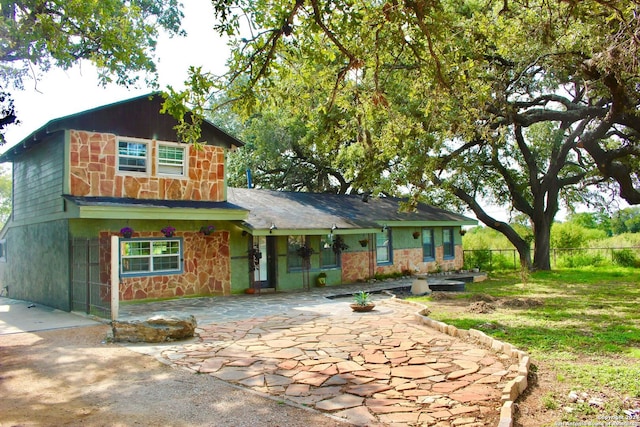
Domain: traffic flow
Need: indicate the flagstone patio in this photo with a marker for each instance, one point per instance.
(378, 368)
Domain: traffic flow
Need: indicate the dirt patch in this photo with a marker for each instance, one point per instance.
(482, 297)
(521, 303)
(481, 307)
(442, 296)
(73, 377)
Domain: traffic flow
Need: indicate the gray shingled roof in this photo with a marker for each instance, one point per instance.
(310, 211)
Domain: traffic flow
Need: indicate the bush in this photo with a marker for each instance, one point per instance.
(581, 259)
(625, 258)
(477, 258)
(568, 235)
(503, 261)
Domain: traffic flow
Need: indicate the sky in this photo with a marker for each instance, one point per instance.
(60, 93)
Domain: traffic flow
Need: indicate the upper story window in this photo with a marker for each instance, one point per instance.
(447, 243)
(383, 246)
(171, 159)
(428, 248)
(133, 156)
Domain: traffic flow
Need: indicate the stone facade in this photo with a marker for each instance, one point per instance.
(358, 266)
(93, 172)
(449, 264)
(207, 268)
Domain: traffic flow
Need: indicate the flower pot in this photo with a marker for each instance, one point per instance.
(207, 230)
(362, 308)
(363, 243)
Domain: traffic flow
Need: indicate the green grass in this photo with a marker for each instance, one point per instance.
(587, 326)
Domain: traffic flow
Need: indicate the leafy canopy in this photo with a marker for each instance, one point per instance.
(521, 104)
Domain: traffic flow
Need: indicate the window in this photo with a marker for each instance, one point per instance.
(3, 250)
(428, 248)
(447, 243)
(132, 156)
(328, 258)
(171, 159)
(383, 246)
(140, 257)
(293, 259)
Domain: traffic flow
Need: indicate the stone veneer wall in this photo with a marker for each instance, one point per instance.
(92, 167)
(450, 264)
(356, 265)
(207, 268)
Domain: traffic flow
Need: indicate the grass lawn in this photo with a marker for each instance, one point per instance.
(581, 328)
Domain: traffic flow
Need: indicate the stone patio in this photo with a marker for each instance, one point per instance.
(383, 368)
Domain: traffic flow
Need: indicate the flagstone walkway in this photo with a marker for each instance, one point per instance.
(382, 368)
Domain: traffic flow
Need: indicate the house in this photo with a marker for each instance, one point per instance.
(120, 170)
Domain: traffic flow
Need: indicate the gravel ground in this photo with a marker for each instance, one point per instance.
(70, 377)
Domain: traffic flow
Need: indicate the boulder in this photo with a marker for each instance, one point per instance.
(160, 327)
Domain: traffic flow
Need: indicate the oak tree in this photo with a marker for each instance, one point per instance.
(524, 104)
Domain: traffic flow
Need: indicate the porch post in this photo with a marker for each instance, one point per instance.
(115, 277)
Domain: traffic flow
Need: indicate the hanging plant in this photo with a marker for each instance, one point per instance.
(304, 252)
(339, 245)
(254, 258)
(168, 231)
(126, 232)
(364, 242)
(207, 229)
(416, 234)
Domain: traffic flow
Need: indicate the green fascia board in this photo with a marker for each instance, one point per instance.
(110, 212)
(428, 223)
(308, 232)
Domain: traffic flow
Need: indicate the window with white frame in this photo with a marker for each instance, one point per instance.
(133, 156)
(171, 159)
(142, 257)
(447, 243)
(383, 246)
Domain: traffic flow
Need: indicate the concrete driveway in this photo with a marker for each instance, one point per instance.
(23, 316)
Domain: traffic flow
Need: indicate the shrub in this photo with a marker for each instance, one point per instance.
(625, 258)
(503, 261)
(581, 259)
(477, 258)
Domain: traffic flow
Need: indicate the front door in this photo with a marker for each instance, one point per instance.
(265, 273)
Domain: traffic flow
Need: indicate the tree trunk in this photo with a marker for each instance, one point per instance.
(521, 245)
(524, 251)
(542, 242)
(542, 239)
